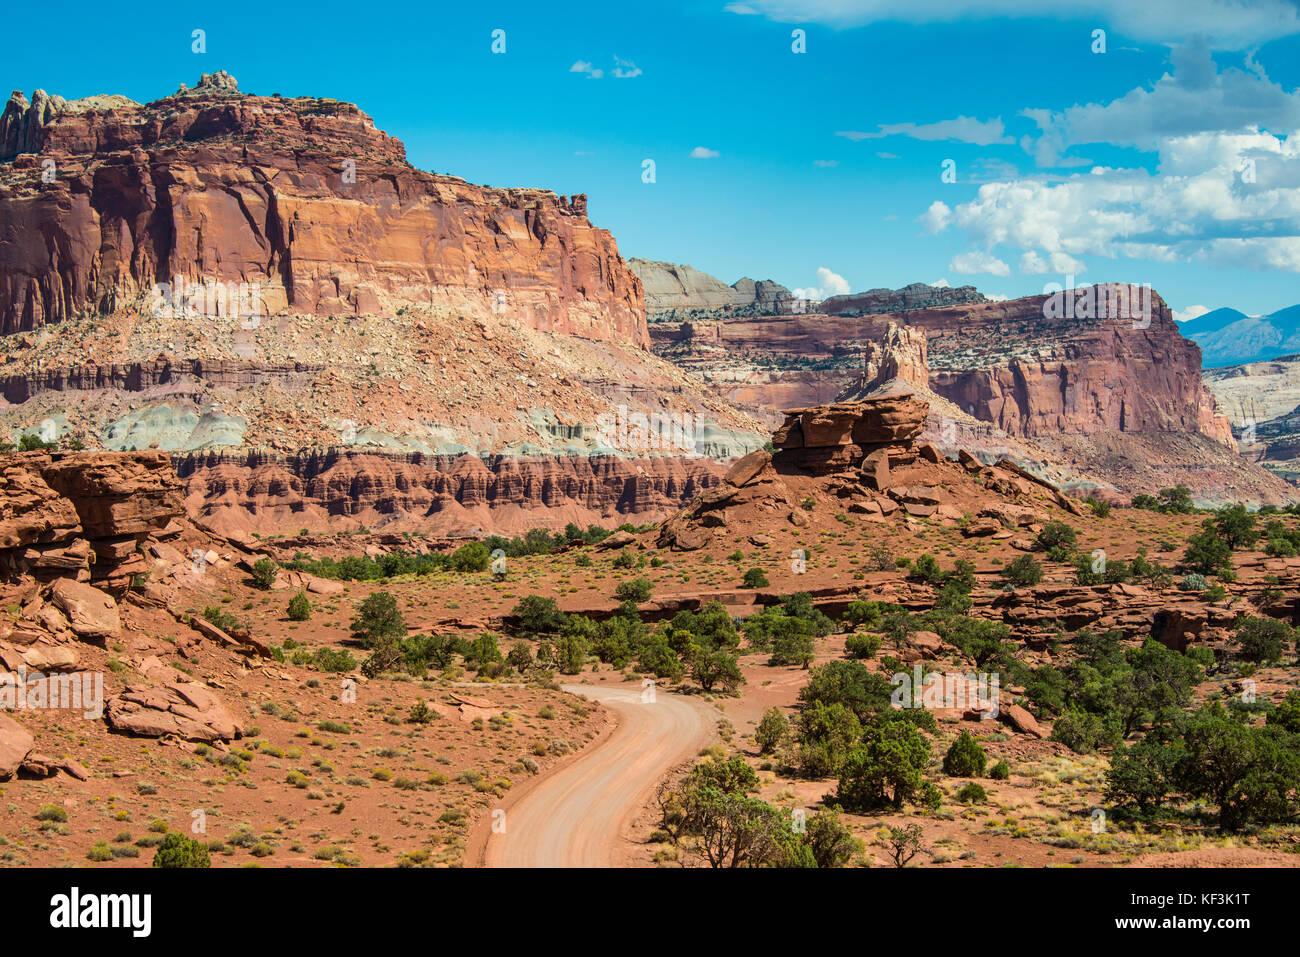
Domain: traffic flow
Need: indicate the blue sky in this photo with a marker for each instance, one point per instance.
(828, 163)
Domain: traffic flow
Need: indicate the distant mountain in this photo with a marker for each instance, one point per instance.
(675, 291)
(1212, 321)
(1228, 337)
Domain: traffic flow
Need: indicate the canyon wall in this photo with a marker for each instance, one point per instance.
(453, 495)
(1006, 363)
(301, 198)
(1014, 365)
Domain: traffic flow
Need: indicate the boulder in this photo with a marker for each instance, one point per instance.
(187, 710)
(748, 468)
(828, 438)
(927, 643)
(929, 453)
(619, 539)
(875, 470)
(92, 614)
(1022, 721)
(15, 743)
(50, 658)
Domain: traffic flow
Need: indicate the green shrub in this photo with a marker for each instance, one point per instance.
(1024, 570)
(378, 619)
(538, 616)
(1000, 771)
(1236, 526)
(636, 590)
(755, 578)
(772, 730)
(926, 569)
(471, 557)
(863, 614)
(299, 607)
(972, 793)
(264, 573)
(862, 645)
(1083, 732)
(1261, 640)
(328, 659)
(177, 850)
(1058, 540)
(965, 758)
(1208, 552)
(1176, 500)
(886, 769)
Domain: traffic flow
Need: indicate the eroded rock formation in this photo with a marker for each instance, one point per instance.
(830, 438)
(82, 515)
(301, 198)
(447, 494)
(672, 290)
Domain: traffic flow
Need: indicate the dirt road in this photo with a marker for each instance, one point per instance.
(580, 816)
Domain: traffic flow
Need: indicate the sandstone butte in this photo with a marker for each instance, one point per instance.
(424, 352)
(1108, 402)
(1002, 362)
(299, 195)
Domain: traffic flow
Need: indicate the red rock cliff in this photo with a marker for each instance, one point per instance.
(1032, 371)
(301, 197)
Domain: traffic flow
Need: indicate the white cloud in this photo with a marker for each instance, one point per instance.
(582, 66)
(937, 217)
(625, 69)
(1191, 312)
(704, 153)
(1194, 98)
(941, 284)
(744, 9)
(888, 156)
(826, 164)
(1231, 23)
(1032, 264)
(1197, 207)
(996, 296)
(978, 262)
(964, 129)
(828, 284)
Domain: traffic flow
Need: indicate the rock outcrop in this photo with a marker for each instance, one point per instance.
(1096, 401)
(185, 710)
(300, 199)
(829, 438)
(673, 291)
(917, 295)
(900, 356)
(81, 516)
(15, 742)
(860, 459)
(436, 493)
(1033, 374)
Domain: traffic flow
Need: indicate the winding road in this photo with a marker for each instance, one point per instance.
(580, 815)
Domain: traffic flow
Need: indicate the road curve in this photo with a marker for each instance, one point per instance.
(579, 816)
